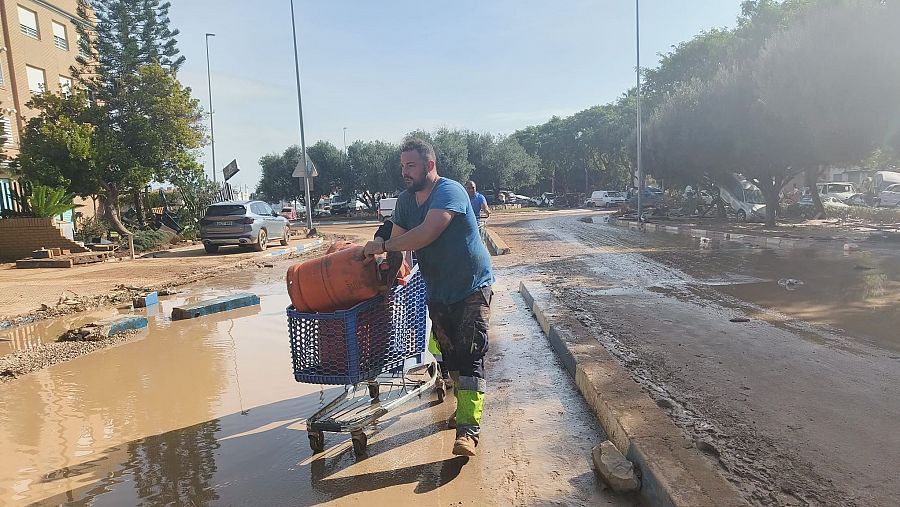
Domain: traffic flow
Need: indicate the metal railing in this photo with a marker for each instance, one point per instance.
(31, 32)
(61, 43)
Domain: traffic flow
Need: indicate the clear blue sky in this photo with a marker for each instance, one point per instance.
(384, 68)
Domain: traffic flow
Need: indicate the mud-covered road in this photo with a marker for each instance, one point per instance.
(207, 412)
(800, 405)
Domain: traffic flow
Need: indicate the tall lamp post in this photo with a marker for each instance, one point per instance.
(309, 205)
(640, 173)
(212, 130)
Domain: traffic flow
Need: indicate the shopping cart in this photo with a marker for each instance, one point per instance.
(376, 350)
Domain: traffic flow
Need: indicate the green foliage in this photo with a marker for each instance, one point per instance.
(148, 239)
(278, 184)
(50, 201)
(89, 228)
(373, 168)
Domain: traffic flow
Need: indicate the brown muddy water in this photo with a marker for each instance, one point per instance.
(207, 412)
(855, 294)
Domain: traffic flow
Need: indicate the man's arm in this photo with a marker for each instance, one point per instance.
(486, 208)
(436, 221)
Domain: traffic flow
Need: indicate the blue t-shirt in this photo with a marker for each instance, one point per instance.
(478, 201)
(457, 263)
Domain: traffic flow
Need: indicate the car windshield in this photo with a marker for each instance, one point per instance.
(225, 210)
(752, 195)
(287, 210)
(614, 194)
(839, 188)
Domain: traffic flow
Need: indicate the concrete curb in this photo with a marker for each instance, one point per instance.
(495, 244)
(217, 305)
(750, 239)
(672, 475)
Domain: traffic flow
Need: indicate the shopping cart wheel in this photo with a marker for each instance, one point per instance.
(316, 440)
(359, 442)
(373, 391)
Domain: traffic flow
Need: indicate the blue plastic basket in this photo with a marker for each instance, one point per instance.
(349, 346)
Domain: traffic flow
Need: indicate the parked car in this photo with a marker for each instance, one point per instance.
(744, 198)
(842, 191)
(340, 205)
(386, 208)
(244, 223)
(546, 200)
(857, 200)
(890, 196)
(650, 198)
(289, 212)
(606, 198)
(524, 200)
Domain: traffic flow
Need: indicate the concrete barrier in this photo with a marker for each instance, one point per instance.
(146, 300)
(495, 244)
(671, 474)
(116, 325)
(217, 305)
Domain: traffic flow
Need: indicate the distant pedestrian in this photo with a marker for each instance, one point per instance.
(479, 206)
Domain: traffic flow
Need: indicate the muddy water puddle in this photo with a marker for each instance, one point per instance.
(144, 420)
(857, 293)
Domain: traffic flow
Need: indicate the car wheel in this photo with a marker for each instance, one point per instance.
(286, 236)
(211, 249)
(741, 215)
(261, 241)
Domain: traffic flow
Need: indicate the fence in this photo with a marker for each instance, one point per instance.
(10, 197)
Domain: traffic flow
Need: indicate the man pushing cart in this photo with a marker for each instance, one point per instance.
(434, 218)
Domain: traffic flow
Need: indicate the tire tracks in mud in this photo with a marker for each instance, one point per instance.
(762, 466)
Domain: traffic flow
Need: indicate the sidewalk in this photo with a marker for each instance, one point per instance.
(33, 294)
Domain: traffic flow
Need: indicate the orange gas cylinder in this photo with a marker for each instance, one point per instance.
(336, 281)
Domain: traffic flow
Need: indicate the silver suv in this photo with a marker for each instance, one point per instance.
(244, 223)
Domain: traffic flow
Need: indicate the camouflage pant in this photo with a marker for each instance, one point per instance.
(461, 330)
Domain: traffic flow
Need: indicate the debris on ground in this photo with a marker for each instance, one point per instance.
(790, 283)
(26, 361)
(614, 468)
(587, 220)
(89, 333)
(739, 319)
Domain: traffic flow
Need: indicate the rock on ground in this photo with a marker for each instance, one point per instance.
(614, 469)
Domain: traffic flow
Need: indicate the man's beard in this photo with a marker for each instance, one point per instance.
(415, 186)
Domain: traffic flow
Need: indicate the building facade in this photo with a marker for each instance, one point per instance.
(39, 47)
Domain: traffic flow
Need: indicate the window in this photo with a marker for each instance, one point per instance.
(65, 85)
(36, 82)
(28, 22)
(7, 132)
(59, 36)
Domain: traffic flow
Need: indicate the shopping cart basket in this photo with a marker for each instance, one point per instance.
(376, 350)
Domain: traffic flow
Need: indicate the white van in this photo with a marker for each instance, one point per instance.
(840, 190)
(606, 198)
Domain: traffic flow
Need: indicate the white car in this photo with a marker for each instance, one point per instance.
(841, 191)
(386, 208)
(606, 198)
(890, 196)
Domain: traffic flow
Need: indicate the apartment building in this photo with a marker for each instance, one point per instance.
(39, 47)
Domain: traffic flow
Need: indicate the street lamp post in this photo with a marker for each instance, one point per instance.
(212, 130)
(309, 205)
(640, 173)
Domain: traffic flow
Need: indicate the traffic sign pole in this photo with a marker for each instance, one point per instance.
(309, 205)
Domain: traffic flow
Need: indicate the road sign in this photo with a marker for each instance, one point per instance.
(230, 170)
(301, 172)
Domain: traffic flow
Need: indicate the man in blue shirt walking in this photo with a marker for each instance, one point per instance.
(479, 205)
(434, 217)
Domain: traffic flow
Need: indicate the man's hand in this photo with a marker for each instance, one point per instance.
(374, 248)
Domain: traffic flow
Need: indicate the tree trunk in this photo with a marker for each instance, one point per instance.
(109, 210)
(769, 189)
(139, 207)
(811, 177)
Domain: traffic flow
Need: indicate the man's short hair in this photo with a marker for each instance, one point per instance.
(420, 146)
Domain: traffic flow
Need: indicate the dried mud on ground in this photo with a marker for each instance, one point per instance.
(716, 379)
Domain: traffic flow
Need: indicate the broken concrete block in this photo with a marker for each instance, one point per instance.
(116, 325)
(587, 220)
(148, 299)
(222, 304)
(614, 469)
(41, 254)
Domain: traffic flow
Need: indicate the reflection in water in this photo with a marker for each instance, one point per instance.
(176, 467)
